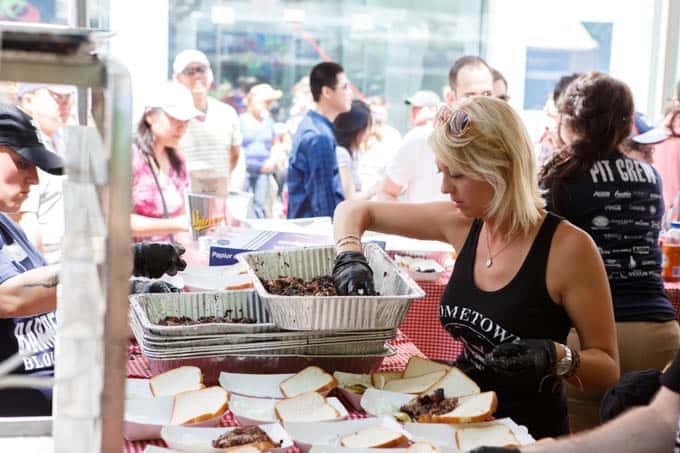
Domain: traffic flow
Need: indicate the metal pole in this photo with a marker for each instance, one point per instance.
(81, 21)
(119, 258)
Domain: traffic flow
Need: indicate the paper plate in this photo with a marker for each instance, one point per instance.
(383, 402)
(328, 433)
(257, 411)
(256, 385)
(145, 417)
(199, 440)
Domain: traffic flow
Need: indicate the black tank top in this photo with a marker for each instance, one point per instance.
(521, 309)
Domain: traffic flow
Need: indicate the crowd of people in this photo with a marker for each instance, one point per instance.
(556, 291)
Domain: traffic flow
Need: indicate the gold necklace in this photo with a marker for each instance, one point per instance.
(489, 262)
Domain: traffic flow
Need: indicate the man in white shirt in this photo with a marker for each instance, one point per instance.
(42, 214)
(211, 144)
(412, 175)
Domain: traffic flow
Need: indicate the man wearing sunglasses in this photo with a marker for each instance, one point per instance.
(412, 174)
(211, 144)
(314, 186)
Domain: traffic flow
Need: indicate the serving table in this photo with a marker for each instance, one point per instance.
(138, 367)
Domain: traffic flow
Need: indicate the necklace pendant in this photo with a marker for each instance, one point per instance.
(488, 263)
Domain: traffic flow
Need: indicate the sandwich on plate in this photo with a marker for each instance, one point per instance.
(245, 439)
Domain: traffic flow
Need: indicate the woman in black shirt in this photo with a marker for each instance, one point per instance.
(618, 200)
(522, 276)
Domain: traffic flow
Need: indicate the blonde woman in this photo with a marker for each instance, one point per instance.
(523, 276)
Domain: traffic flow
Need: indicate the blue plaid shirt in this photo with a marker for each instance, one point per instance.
(314, 187)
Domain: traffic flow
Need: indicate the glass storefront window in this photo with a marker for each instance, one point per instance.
(388, 48)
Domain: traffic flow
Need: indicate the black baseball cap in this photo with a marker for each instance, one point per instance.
(19, 132)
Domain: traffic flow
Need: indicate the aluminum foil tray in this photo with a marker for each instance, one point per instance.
(272, 363)
(386, 311)
(150, 308)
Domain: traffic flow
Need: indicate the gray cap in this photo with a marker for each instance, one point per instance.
(423, 98)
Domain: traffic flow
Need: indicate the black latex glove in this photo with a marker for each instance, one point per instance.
(494, 450)
(142, 286)
(352, 275)
(529, 359)
(153, 259)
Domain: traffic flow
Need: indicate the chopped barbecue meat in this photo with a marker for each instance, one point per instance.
(242, 436)
(186, 321)
(432, 404)
(295, 286)
(176, 321)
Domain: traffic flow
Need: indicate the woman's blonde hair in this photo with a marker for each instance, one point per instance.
(495, 148)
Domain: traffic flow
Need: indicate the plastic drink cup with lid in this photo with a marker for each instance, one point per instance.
(670, 254)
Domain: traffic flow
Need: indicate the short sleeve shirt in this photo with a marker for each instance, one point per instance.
(146, 198)
(33, 336)
(206, 142)
(414, 167)
(345, 160)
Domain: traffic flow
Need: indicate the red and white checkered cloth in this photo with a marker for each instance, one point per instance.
(138, 367)
(673, 293)
(422, 324)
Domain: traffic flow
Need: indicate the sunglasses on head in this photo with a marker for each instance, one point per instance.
(194, 70)
(458, 121)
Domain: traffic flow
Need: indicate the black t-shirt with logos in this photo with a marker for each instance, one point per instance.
(619, 202)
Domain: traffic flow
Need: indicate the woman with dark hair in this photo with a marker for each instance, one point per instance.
(159, 172)
(618, 201)
(351, 129)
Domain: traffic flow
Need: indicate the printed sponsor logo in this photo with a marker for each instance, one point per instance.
(642, 223)
(602, 194)
(626, 251)
(617, 276)
(604, 252)
(613, 207)
(638, 208)
(638, 273)
(623, 195)
(648, 263)
(655, 224)
(633, 237)
(642, 250)
(654, 196)
(652, 209)
(600, 221)
(612, 236)
(622, 222)
(612, 264)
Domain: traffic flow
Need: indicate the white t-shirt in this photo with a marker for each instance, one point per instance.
(207, 142)
(46, 201)
(345, 160)
(414, 166)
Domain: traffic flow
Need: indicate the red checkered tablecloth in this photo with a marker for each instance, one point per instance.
(138, 367)
(673, 292)
(422, 324)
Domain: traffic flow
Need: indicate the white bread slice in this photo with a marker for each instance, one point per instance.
(472, 408)
(381, 378)
(455, 384)
(307, 407)
(199, 405)
(422, 447)
(414, 385)
(373, 437)
(178, 380)
(311, 379)
(493, 435)
(417, 366)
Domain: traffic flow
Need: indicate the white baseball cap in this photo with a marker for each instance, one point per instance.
(175, 100)
(186, 57)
